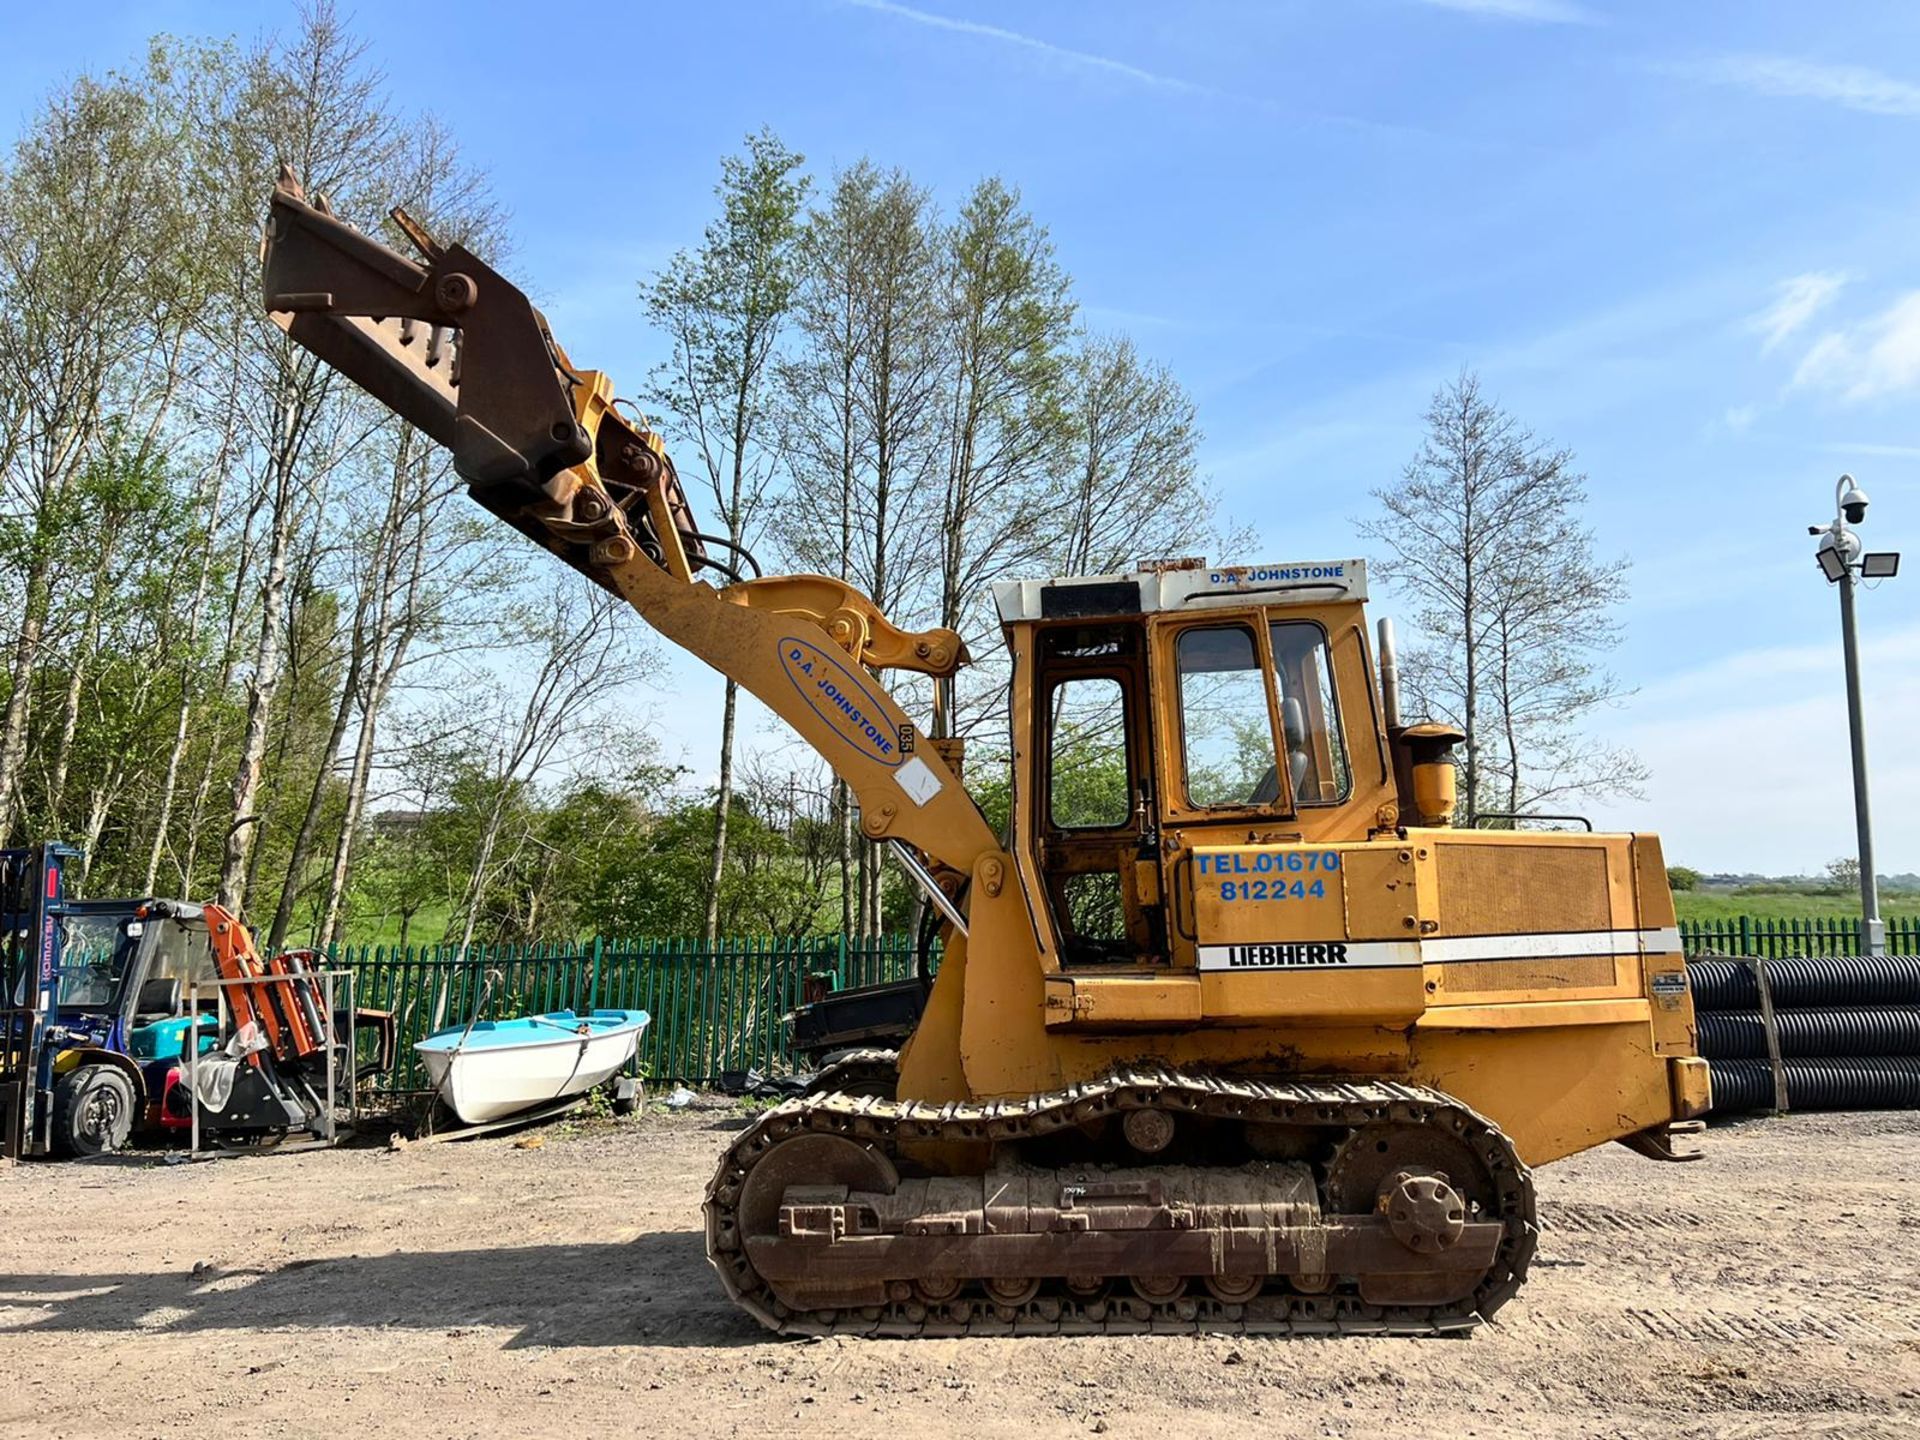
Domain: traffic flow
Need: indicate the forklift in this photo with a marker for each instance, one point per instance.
(119, 1016)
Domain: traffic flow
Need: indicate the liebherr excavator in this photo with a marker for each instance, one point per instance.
(1240, 1033)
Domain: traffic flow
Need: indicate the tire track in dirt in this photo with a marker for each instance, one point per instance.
(1585, 1218)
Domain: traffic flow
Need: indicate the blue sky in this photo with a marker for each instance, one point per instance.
(1683, 240)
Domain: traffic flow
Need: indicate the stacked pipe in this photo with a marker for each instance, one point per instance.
(1846, 1031)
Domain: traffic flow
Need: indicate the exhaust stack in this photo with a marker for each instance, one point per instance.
(1389, 676)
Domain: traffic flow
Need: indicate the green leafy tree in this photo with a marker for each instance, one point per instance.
(722, 307)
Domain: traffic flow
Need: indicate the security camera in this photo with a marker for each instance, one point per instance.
(1853, 504)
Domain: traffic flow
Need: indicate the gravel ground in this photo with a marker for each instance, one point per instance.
(488, 1289)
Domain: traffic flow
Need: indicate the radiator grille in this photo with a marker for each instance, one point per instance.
(1498, 889)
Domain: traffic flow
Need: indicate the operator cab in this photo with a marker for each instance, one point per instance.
(1182, 705)
(126, 965)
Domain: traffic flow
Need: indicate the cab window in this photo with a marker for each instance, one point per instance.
(1317, 764)
(1087, 784)
(93, 957)
(1226, 736)
(184, 952)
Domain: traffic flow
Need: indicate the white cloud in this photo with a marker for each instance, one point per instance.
(1086, 60)
(1079, 59)
(1853, 86)
(1876, 357)
(1795, 302)
(1538, 12)
(1120, 318)
(1739, 418)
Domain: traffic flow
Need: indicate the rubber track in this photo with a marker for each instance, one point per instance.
(1334, 1105)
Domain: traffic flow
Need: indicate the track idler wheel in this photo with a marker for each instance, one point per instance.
(1426, 1213)
(814, 1160)
(1429, 1182)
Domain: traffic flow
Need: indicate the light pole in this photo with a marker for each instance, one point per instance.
(1843, 563)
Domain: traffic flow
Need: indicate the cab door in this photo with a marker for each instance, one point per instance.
(1255, 752)
(1094, 812)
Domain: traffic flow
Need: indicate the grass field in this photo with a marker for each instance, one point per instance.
(428, 926)
(1782, 905)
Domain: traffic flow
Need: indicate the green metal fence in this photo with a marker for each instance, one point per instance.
(1779, 939)
(719, 1008)
(715, 1008)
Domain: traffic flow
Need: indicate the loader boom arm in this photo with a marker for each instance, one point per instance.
(460, 353)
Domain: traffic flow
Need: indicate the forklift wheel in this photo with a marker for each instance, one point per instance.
(92, 1111)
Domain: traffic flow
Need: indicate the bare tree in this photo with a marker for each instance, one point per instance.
(317, 107)
(1483, 535)
(1009, 315)
(1552, 620)
(722, 307)
(424, 564)
(823, 433)
(1130, 484)
(860, 423)
(579, 656)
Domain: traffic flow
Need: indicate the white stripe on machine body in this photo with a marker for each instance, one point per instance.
(1450, 950)
(1553, 945)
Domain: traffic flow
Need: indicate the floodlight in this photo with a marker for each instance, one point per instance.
(1838, 552)
(1880, 565)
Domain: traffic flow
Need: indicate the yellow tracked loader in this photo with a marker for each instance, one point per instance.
(1231, 1031)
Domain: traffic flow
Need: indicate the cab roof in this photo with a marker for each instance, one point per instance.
(1182, 586)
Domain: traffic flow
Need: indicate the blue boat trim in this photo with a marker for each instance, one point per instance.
(556, 1026)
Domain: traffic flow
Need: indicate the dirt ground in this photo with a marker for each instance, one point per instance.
(484, 1289)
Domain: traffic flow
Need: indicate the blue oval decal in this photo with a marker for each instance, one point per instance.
(838, 697)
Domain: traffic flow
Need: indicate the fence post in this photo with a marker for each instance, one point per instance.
(593, 980)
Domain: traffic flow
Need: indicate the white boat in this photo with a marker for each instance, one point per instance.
(495, 1068)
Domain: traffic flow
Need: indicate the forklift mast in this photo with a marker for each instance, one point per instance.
(32, 900)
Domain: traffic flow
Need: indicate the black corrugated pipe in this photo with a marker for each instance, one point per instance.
(1808, 981)
(1870, 1082)
(1741, 1034)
